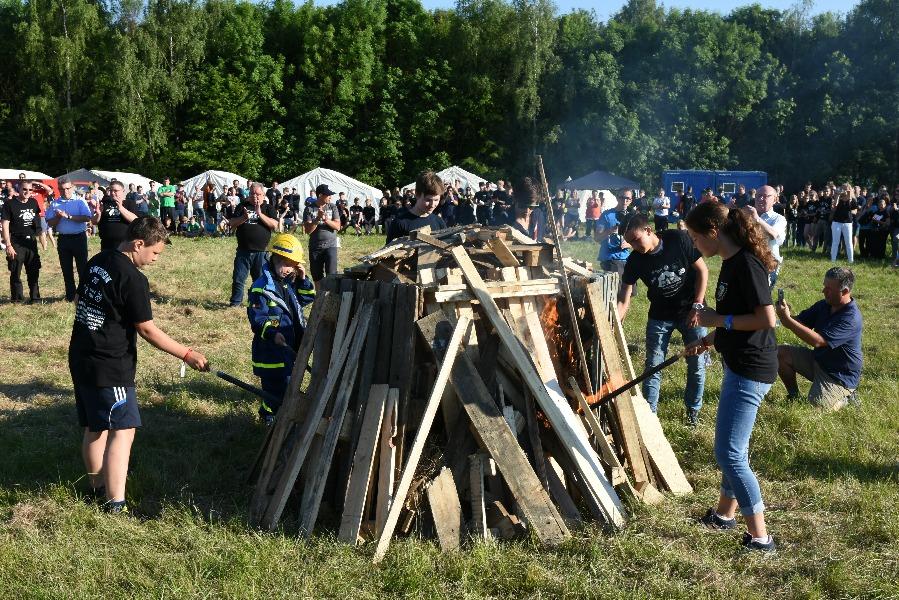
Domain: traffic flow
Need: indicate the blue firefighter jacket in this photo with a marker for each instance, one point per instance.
(276, 307)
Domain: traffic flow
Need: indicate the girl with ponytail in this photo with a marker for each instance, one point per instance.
(743, 322)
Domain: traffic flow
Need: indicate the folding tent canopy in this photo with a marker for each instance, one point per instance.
(451, 174)
(338, 182)
(601, 180)
(83, 178)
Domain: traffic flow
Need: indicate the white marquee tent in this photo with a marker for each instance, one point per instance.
(14, 174)
(83, 178)
(451, 174)
(219, 179)
(338, 182)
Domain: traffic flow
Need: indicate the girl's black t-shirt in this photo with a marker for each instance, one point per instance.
(742, 286)
(842, 211)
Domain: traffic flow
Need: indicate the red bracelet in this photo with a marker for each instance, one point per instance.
(186, 354)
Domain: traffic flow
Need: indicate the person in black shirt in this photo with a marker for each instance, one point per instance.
(841, 224)
(113, 214)
(368, 216)
(687, 202)
(21, 228)
(744, 335)
(524, 201)
(675, 276)
(112, 306)
(428, 190)
(483, 201)
(253, 222)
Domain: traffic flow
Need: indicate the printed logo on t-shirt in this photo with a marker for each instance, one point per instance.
(88, 312)
(668, 279)
(27, 215)
(721, 291)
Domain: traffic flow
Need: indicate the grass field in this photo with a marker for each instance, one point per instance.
(831, 481)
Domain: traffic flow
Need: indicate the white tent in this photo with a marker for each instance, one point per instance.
(451, 174)
(220, 179)
(338, 182)
(14, 174)
(84, 177)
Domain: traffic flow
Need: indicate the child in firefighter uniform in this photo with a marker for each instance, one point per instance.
(275, 311)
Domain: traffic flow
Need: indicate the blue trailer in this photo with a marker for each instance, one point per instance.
(675, 182)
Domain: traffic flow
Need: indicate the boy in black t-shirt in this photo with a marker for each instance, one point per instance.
(112, 306)
(428, 190)
(21, 228)
(676, 277)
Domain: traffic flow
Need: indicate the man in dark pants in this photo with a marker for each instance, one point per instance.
(21, 228)
(69, 216)
(253, 224)
(321, 222)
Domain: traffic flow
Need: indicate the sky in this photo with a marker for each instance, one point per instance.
(606, 8)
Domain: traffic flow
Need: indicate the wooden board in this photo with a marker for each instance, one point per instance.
(476, 490)
(424, 428)
(497, 438)
(403, 356)
(446, 510)
(553, 401)
(386, 461)
(661, 454)
(623, 405)
(363, 464)
(505, 256)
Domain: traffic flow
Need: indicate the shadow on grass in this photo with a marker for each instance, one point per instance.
(827, 467)
(23, 392)
(179, 459)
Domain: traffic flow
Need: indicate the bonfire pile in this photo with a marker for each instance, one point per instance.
(453, 393)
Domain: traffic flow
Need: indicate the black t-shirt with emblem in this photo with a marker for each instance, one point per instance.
(668, 274)
(113, 296)
(24, 217)
(407, 221)
(113, 227)
(742, 286)
(252, 235)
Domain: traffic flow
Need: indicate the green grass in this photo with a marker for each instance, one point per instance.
(831, 481)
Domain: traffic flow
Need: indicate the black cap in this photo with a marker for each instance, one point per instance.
(324, 190)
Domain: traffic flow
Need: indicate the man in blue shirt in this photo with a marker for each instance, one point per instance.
(833, 327)
(613, 250)
(69, 216)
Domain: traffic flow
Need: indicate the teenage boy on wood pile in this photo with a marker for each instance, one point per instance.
(276, 317)
(111, 306)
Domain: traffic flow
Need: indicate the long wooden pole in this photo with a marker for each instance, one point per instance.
(566, 288)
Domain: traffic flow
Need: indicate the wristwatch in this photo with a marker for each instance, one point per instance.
(698, 306)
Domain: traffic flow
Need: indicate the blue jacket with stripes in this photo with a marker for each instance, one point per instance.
(276, 306)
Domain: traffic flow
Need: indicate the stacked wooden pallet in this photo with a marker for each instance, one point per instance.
(445, 396)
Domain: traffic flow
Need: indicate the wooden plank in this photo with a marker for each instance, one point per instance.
(623, 405)
(363, 465)
(567, 507)
(575, 268)
(476, 489)
(551, 400)
(319, 470)
(497, 438)
(386, 461)
(661, 455)
(421, 236)
(533, 429)
(385, 341)
(403, 357)
(446, 510)
(343, 321)
(522, 290)
(306, 434)
(505, 256)
(393, 515)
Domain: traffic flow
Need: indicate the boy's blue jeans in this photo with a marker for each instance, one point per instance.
(737, 408)
(658, 334)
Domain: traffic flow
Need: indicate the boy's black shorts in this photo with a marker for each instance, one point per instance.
(105, 408)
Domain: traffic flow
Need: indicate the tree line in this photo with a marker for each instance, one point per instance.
(381, 89)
